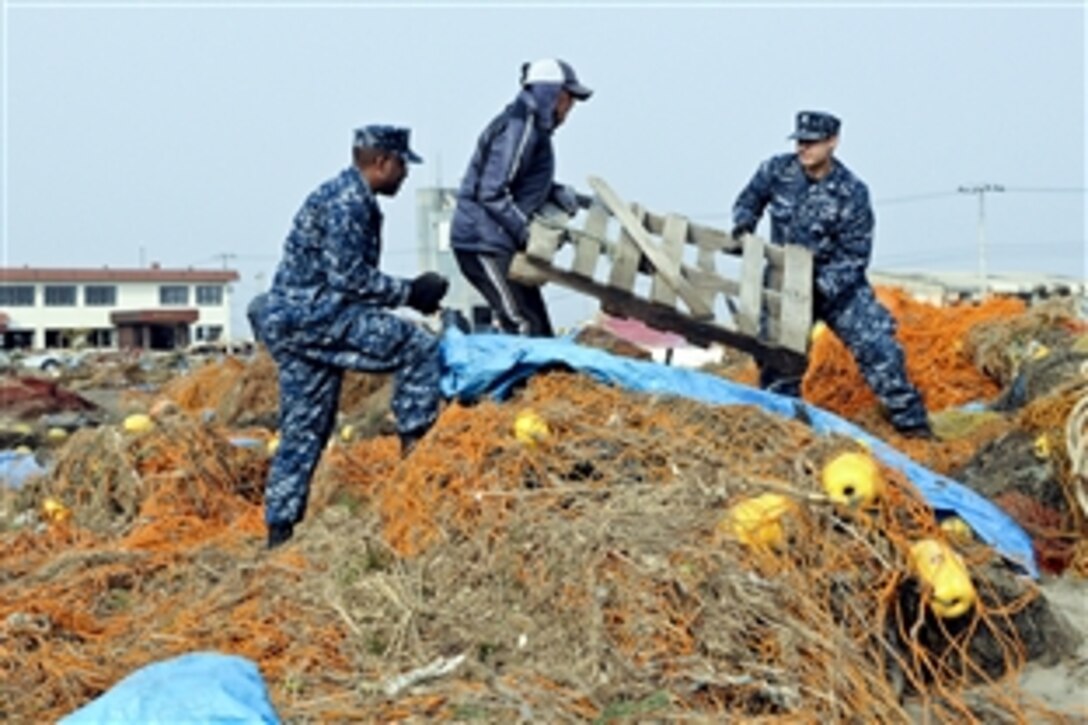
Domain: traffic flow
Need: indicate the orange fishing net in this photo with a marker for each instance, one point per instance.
(581, 573)
(938, 361)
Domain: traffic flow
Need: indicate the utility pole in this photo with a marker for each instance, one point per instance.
(980, 190)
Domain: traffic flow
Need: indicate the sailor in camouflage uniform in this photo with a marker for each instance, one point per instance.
(328, 310)
(816, 202)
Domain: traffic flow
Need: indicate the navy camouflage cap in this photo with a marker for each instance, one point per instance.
(387, 138)
(815, 126)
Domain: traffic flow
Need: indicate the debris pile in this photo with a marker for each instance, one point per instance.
(575, 553)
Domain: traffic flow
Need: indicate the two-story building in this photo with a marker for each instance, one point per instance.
(151, 308)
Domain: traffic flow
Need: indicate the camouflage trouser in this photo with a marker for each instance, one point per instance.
(868, 331)
(254, 310)
(310, 372)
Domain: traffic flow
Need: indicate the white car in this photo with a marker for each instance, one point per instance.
(52, 363)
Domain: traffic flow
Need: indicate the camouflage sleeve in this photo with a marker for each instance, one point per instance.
(751, 201)
(846, 261)
(346, 265)
(501, 167)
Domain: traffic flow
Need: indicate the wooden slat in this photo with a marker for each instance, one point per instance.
(662, 317)
(796, 314)
(666, 268)
(543, 241)
(704, 259)
(751, 285)
(625, 263)
(587, 249)
(772, 289)
(711, 285)
(674, 232)
(524, 271)
(699, 235)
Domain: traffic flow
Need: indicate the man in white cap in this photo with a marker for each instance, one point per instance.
(510, 177)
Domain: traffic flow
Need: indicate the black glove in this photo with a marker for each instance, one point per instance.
(567, 199)
(427, 291)
(522, 242)
(741, 229)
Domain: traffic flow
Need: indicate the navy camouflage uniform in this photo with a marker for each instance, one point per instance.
(327, 311)
(833, 218)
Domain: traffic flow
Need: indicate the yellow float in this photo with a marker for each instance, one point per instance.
(138, 423)
(943, 572)
(758, 521)
(852, 479)
(530, 428)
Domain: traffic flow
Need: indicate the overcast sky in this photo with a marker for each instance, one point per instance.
(180, 132)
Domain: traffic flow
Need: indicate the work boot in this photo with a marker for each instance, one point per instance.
(920, 432)
(409, 440)
(278, 534)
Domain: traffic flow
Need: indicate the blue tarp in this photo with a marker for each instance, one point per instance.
(16, 467)
(200, 687)
(479, 364)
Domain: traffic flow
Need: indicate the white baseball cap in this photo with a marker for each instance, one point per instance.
(553, 70)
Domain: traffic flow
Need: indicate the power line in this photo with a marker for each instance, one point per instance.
(930, 195)
(1046, 189)
(914, 197)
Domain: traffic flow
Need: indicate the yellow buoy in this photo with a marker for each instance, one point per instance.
(54, 510)
(818, 331)
(943, 572)
(347, 432)
(957, 529)
(758, 521)
(23, 450)
(273, 444)
(852, 479)
(56, 434)
(530, 428)
(138, 423)
(1042, 447)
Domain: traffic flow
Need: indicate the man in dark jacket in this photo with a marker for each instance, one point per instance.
(815, 201)
(327, 311)
(510, 177)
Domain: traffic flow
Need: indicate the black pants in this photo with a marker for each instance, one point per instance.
(519, 308)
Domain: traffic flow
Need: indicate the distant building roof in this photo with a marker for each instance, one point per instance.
(967, 283)
(93, 275)
(184, 316)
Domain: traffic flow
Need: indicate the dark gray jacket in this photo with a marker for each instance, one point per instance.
(510, 177)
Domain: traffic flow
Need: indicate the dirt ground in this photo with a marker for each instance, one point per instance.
(1064, 684)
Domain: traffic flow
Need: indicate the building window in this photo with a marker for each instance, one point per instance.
(58, 339)
(100, 337)
(100, 295)
(16, 295)
(208, 333)
(173, 294)
(60, 295)
(208, 295)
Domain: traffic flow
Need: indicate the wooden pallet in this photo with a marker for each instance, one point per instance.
(624, 241)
